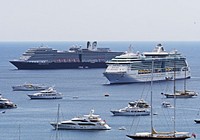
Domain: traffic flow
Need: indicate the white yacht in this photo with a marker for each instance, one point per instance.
(135, 67)
(29, 87)
(50, 93)
(6, 104)
(136, 108)
(86, 122)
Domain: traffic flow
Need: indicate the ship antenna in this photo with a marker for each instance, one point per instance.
(130, 49)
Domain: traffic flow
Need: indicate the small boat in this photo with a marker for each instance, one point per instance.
(86, 122)
(197, 120)
(29, 87)
(166, 104)
(50, 93)
(122, 128)
(6, 104)
(106, 95)
(136, 108)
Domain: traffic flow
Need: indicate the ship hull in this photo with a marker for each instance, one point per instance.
(123, 77)
(24, 65)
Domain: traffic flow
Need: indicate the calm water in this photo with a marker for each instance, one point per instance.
(31, 119)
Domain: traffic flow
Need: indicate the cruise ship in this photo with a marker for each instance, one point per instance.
(75, 58)
(135, 67)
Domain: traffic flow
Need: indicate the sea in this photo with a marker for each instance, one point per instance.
(84, 90)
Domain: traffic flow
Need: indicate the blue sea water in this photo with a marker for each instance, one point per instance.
(30, 120)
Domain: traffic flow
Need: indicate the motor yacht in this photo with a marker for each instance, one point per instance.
(29, 87)
(136, 108)
(86, 122)
(50, 93)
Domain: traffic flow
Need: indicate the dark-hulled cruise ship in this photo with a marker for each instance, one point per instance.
(76, 57)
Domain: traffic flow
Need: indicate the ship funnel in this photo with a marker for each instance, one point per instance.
(94, 45)
(88, 44)
(159, 48)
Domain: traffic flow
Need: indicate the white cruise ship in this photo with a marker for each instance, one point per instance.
(135, 67)
(86, 122)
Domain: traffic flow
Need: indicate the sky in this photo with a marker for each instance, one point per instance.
(101, 20)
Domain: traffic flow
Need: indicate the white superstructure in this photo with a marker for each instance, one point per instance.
(134, 67)
(86, 122)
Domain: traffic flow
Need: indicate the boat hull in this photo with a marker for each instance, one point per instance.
(178, 96)
(80, 127)
(197, 120)
(118, 113)
(17, 88)
(25, 65)
(7, 106)
(157, 137)
(44, 97)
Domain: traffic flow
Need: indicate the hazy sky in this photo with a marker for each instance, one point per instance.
(113, 20)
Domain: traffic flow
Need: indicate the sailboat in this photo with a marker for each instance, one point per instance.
(174, 135)
(182, 93)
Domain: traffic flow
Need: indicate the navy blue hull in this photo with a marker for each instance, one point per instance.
(59, 65)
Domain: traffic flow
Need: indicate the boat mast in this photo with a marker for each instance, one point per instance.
(174, 96)
(57, 121)
(152, 67)
(19, 132)
(185, 80)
